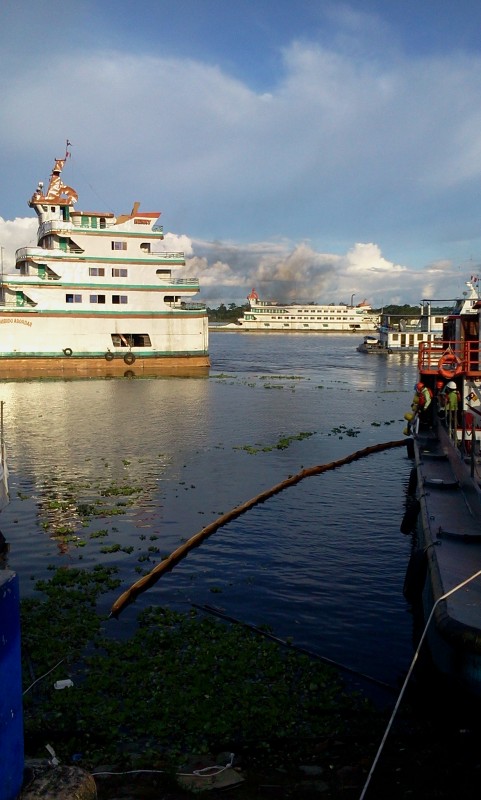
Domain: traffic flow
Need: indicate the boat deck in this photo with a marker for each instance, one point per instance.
(451, 512)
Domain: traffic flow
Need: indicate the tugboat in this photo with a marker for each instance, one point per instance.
(98, 296)
(444, 574)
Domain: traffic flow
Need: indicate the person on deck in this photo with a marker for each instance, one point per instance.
(422, 405)
(452, 403)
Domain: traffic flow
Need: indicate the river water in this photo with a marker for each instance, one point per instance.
(322, 563)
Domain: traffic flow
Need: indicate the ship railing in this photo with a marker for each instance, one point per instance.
(27, 252)
(180, 256)
(467, 359)
(54, 225)
(193, 306)
(185, 282)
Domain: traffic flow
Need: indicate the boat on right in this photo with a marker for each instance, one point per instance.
(443, 509)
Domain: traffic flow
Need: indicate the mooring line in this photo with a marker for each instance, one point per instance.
(169, 563)
(317, 656)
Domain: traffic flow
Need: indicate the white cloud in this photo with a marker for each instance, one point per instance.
(14, 234)
(346, 147)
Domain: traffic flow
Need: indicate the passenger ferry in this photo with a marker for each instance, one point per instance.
(98, 296)
(269, 316)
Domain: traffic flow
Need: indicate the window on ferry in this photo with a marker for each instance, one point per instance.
(130, 339)
(119, 273)
(73, 298)
(164, 273)
(145, 247)
(169, 298)
(118, 299)
(102, 222)
(97, 298)
(97, 272)
(119, 245)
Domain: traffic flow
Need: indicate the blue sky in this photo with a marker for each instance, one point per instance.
(310, 149)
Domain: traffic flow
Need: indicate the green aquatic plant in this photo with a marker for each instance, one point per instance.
(115, 490)
(171, 688)
(282, 444)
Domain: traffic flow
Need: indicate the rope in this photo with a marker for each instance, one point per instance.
(297, 648)
(410, 671)
(170, 562)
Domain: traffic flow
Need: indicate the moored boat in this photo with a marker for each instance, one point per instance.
(447, 480)
(270, 316)
(370, 344)
(98, 296)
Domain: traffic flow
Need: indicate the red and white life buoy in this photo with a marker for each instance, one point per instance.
(449, 365)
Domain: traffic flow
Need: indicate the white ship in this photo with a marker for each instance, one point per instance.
(97, 296)
(266, 315)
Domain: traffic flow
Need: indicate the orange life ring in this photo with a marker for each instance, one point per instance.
(449, 365)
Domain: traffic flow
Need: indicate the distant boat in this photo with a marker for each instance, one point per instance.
(370, 344)
(97, 296)
(404, 333)
(270, 316)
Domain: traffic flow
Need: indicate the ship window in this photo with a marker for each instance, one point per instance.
(119, 273)
(52, 208)
(73, 298)
(97, 298)
(119, 245)
(145, 247)
(119, 299)
(131, 340)
(103, 222)
(97, 271)
(163, 273)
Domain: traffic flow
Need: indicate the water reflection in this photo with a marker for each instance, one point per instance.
(121, 472)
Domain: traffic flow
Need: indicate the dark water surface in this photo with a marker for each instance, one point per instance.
(322, 562)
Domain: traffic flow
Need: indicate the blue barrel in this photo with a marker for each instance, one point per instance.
(11, 713)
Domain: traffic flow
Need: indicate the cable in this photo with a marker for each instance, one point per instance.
(43, 676)
(413, 662)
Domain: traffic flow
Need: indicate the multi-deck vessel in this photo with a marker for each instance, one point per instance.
(401, 333)
(97, 296)
(268, 316)
(444, 575)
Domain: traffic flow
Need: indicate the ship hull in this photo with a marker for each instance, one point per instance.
(96, 366)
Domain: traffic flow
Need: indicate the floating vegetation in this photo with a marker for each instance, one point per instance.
(282, 444)
(99, 534)
(117, 548)
(282, 377)
(172, 688)
(115, 490)
(342, 430)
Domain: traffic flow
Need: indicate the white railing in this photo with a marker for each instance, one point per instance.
(54, 225)
(168, 256)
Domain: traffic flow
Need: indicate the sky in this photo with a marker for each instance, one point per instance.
(317, 151)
